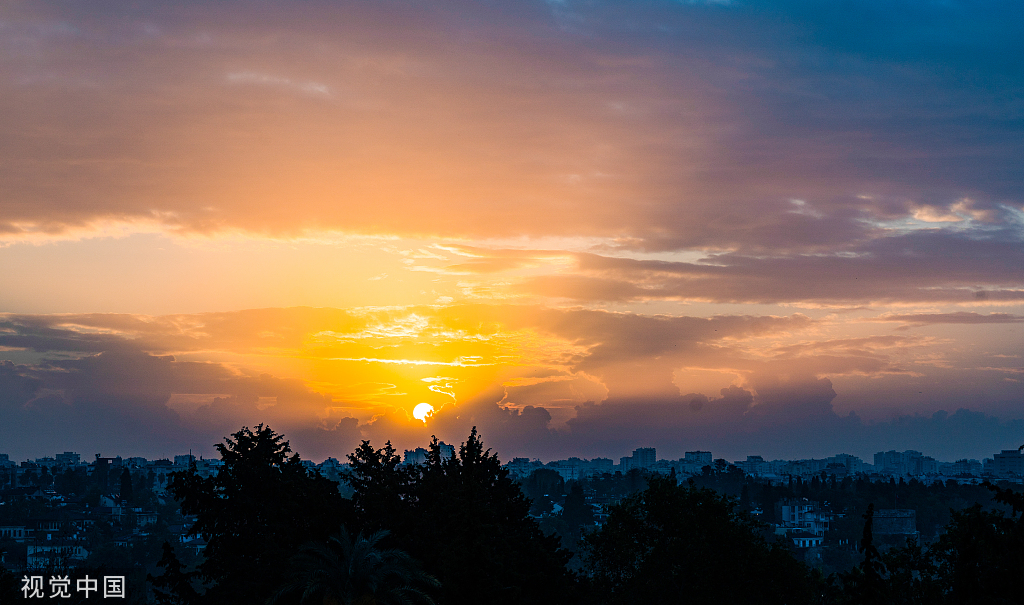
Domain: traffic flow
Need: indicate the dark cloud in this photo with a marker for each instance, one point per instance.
(961, 317)
(46, 334)
(789, 421)
(117, 402)
(673, 125)
(923, 266)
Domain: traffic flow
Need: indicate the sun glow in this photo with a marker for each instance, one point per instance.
(421, 411)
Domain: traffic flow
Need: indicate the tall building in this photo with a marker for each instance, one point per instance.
(68, 459)
(694, 462)
(644, 457)
(852, 463)
(133, 462)
(698, 457)
(46, 461)
(899, 463)
(754, 465)
(967, 467)
(1009, 462)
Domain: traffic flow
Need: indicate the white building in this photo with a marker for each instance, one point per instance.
(416, 456)
(754, 465)
(802, 539)
(1008, 463)
(805, 515)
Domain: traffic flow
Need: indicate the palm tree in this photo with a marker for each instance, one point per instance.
(355, 572)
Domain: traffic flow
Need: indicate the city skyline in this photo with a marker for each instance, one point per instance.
(763, 228)
(417, 454)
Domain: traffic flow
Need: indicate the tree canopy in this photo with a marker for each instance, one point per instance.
(683, 544)
(255, 513)
(347, 571)
(469, 524)
(457, 530)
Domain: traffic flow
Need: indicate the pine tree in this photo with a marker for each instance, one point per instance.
(683, 544)
(126, 486)
(468, 522)
(175, 586)
(255, 513)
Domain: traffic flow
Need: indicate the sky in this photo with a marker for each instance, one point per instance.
(784, 228)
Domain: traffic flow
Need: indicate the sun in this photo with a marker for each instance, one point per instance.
(422, 410)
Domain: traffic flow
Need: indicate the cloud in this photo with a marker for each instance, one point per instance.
(259, 79)
(692, 128)
(919, 266)
(119, 402)
(960, 317)
(789, 420)
(186, 380)
(597, 384)
(529, 157)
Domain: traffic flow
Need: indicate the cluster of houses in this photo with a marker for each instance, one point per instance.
(58, 533)
(1006, 465)
(55, 534)
(804, 522)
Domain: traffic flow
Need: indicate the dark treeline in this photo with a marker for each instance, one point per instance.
(460, 530)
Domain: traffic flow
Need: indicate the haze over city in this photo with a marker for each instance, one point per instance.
(779, 228)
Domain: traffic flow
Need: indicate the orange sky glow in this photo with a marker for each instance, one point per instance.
(703, 229)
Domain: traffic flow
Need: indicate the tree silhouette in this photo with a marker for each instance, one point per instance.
(126, 486)
(576, 513)
(175, 586)
(980, 556)
(255, 513)
(684, 544)
(8, 586)
(978, 559)
(468, 522)
(866, 583)
(494, 552)
(345, 572)
(381, 486)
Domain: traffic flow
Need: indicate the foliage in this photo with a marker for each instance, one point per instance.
(866, 583)
(977, 560)
(175, 586)
(346, 571)
(381, 485)
(255, 513)
(8, 586)
(576, 513)
(269, 524)
(684, 544)
(126, 491)
(982, 553)
(543, 482)
(542, 486)
(615, 486)
(469, 524)
(71, 481)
